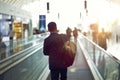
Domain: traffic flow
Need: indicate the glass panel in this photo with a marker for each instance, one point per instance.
(105, 63)
(9, 48)
(29, 69)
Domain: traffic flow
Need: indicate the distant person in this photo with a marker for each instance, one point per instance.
(68, 32)
(11, 34)
(94, 36)
(11, 37)
(75, 34)
(102, 37)
(52, 48)
(2, 48)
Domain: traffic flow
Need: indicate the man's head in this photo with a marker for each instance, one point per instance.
(52, 27)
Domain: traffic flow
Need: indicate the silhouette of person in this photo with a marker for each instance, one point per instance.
(68, 32)
(94, 35)
(2, 48)
(75, 34)
(11, 33)
(52, 48)
(102, 37)
(11, 37)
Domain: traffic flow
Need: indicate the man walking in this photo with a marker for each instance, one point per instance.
(52, 48)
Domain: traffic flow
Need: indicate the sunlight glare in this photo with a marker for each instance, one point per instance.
(69, 13)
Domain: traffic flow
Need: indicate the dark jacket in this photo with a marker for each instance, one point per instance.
(52, 48)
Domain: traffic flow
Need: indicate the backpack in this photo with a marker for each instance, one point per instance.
(68, 52)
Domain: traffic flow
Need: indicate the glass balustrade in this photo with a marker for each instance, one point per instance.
(107, 65)
(13, 47)
(28, 64)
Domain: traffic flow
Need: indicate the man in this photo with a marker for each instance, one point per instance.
(75, 34)
(68, 32)
(52, 48)
(11, 33)
(102, 39)
(11, 38)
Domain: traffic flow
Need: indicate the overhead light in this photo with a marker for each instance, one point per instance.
(85, 4)
(48, 7)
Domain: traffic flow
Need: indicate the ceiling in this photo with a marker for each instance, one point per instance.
(20, 3)
(17, 3)
(14, 7)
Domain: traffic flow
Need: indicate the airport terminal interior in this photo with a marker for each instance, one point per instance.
(24, 27)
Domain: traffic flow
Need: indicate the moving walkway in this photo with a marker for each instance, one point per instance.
(91, 63)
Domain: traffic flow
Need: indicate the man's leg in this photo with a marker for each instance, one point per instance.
(54, 74)
(63, 73)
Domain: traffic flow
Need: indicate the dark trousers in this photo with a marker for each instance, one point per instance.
(57, 73)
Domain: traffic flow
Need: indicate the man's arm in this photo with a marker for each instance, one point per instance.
(45, 48)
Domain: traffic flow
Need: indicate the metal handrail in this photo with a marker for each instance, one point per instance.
(90, 63)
